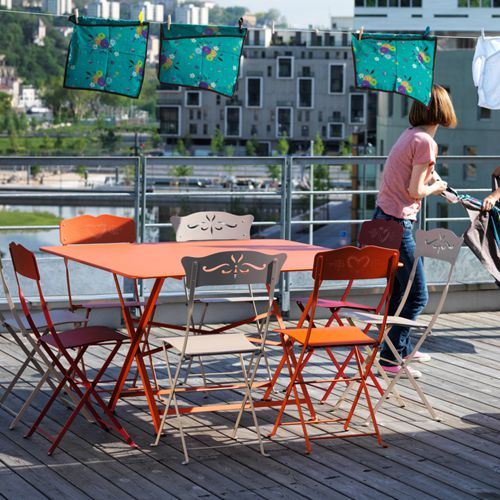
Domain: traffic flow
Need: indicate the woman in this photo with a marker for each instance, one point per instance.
(408, 177)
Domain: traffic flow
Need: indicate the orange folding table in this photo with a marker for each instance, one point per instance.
(159, 261)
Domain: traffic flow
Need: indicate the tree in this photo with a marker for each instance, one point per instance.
(226, 15)
(181, 149)
(281, 150)
(229, 150)
(321, 172)
(217, 143)
(109, 140)
(251, 146)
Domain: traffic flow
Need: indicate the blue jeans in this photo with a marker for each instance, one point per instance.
(417, 298)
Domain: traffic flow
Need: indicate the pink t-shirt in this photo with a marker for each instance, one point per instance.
(414, 147)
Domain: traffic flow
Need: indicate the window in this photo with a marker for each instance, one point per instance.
(305, 93)
(233, 121)
(371, 3)
(404, 106)
(170, 117)
(484, 113)
(193, 99)
(405, 3)
(304, 131)
(382, 3)
(357, 105)
(193, 129)
(390, 104)
(217, 99)
(336, 82)
(443, 170)
(470, 169)
(269, 71)
(254, 92)
(360, 3)
(284, 67)
(284, 122)
(393, 3)
(167, 87)
(205, 129)
(442, 213)
(320, 116)
(335, 131)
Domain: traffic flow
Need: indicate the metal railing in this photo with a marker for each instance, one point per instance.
(298, 195)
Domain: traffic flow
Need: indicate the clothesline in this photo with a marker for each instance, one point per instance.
(287, 30)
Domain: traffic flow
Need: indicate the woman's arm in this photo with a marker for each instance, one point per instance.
(489, 201)
(418, 188)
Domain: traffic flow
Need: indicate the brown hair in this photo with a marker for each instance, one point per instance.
(439, 111)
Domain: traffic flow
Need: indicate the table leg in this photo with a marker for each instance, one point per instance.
(136, 335)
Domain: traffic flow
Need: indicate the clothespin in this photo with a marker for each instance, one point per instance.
(361, 32)
(272, 28)
(169, 22)
(427, 31)
(240, 24)
(482, 32)
(141, 16)
(76, 16)
(316, 31)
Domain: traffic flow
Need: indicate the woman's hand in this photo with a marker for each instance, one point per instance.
(439, 187)
(490, 201)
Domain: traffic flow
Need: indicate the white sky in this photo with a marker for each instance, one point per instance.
(299, 13)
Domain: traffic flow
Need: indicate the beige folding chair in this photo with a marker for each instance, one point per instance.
(223, 269)
(439, 244)
(202, 226)
(18, 328)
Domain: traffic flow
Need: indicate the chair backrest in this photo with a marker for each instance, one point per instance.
(233, 268)
(101, 229)
(381, 233)
(10, 303)
(90, 229)
(25, 265)
(440, 244)
(201, 226)
(352, 264)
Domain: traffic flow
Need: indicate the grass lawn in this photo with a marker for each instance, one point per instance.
(18, 218)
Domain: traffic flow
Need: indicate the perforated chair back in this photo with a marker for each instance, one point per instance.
(201, 226)
(382, 233)
(101, 229)
(353, 264)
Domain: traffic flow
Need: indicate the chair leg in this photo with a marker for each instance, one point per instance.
(248, 396)
(172, 397)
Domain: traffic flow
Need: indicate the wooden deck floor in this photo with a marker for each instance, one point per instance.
(458, 457)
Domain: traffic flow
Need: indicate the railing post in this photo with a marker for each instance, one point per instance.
(286, 226)
(144, 164)
(137, 198)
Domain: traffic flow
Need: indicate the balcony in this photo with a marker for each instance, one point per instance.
(456, 457)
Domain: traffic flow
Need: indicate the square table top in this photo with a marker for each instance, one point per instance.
(163, 260)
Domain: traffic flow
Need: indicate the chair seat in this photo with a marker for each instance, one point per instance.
(221, 343)
(219, 300)
(377, 319)
(85, 336)
(337, 304)
(330, 337)
(109, 304)
(58, 316)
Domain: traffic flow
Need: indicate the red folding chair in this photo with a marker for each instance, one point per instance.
(66, 350)
(344, 264)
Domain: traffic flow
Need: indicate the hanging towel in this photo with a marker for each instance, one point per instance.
(202, 57)
(403, 64)
(483, 234)
(107, 55)
(486, 71)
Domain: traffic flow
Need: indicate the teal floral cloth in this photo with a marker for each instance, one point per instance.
(202, 57)
(107, 55)
(395, 63)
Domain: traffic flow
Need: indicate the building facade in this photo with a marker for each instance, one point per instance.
(478, 128)
(292, 85)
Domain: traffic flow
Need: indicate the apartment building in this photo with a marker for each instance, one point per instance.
(293, 84)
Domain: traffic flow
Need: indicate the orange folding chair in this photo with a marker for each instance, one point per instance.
(66, 350)
(344, 264)
(104, 228)
(381, 233)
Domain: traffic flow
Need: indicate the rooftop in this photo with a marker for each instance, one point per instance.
(456, 458)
